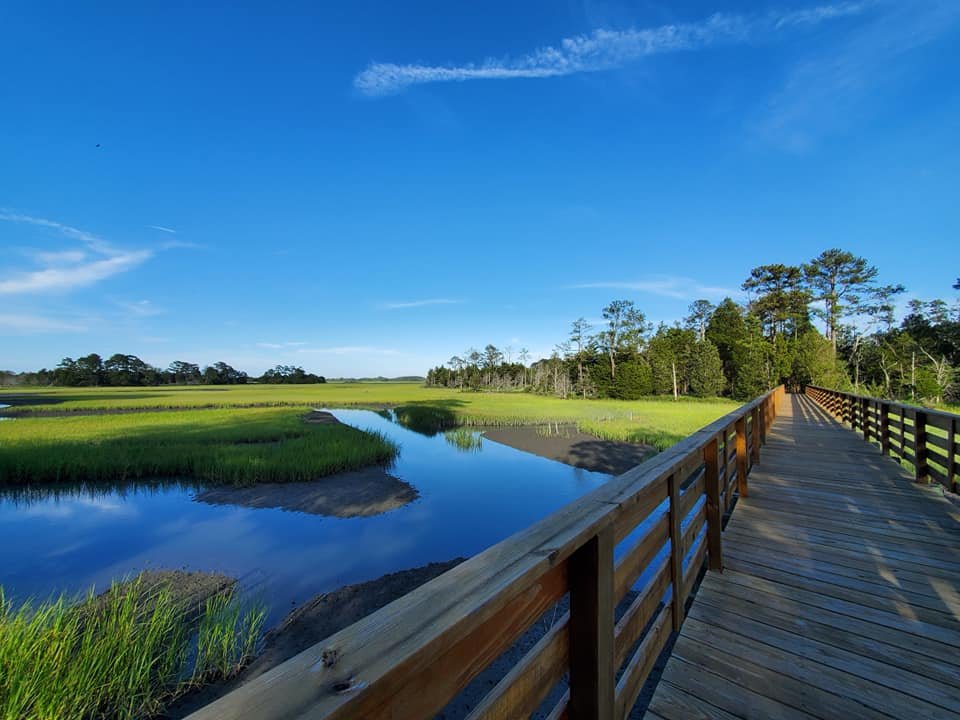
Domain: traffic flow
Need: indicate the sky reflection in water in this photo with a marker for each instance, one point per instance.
(469, 501)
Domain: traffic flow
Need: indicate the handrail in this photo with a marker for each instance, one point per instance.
(922, 437)
(410, 658)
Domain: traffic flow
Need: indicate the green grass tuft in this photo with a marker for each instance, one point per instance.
(123, 654)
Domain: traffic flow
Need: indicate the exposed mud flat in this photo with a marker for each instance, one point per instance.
(358, 493)
(319, 618)
(573, 447)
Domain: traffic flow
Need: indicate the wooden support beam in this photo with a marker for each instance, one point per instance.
(952, 456)
(755, 445)
(920, 446)
(884, 409)
(591, 629)
(676, 551)
(741, 427)
(711, 477)
(865, 415)
(764, 419)
(903, 431)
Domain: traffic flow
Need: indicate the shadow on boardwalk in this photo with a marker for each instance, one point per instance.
(839, 595)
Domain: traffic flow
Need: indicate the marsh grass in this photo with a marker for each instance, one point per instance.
(464, 439)
(241, 445)
(219, 447)
(123, 654)
(227, 637)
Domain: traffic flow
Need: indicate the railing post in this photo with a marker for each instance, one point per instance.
(711, 479)
(884, 411)
(865, 418)
(903, 432)
(951, 456)
(742, 456)
(755, 431)
(676, 556)
(920, 445)
(591, 629)
(762, 412)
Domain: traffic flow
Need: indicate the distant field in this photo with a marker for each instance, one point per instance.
(655, 421)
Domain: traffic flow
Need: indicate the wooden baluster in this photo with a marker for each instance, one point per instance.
(725, 465)
(903, 432)
(591, 629)
(711, 478)
(676, 556)
(951, 456)
(762, 414)
(741, 427)
(884, 410)
(920, 445)
(755, 432)
(865, 414)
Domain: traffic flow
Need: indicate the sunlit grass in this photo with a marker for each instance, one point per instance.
(235, 443)
(214, 446)
(124, 654)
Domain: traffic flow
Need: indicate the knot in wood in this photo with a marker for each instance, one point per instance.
(329, 657)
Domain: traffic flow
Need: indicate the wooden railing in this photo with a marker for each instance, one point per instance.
(410, 658)
(924, 438)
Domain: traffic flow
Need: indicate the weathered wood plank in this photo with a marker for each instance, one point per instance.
(639, 557)
(522, 690)
(636, 617)
(641, 662)
(840, 595)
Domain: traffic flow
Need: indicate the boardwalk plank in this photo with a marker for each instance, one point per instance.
(840, 595)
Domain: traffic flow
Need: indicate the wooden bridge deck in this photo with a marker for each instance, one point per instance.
(840, 594)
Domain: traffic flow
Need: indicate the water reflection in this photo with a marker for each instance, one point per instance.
(473, 493)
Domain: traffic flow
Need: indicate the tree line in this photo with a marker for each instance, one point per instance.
(740, 350)
(121, 370)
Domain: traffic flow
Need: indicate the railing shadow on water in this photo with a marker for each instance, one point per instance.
(645, 535)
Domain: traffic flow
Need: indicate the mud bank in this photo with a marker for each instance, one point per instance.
(359, 493)
(570, 446)
(319, 618)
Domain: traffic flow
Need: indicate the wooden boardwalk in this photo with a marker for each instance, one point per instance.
(840, 594)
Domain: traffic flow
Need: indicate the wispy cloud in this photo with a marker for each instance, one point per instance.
(831, 89)
(66, 270)
(605, 49)
(280, 345)
(140, 308)
(67, 257)
(19, 323)
(350, 350)
(74, 276)
(161, 228)
(681, 288)
(89, 239)
(419, 303)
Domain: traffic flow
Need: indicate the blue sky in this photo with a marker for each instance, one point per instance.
(370, 187)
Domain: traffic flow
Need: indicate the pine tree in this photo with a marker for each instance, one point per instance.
(706, 370)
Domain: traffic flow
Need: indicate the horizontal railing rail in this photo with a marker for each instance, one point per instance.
(922, 437)
(655, 525)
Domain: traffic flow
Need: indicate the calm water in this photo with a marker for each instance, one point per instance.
(469, 501)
